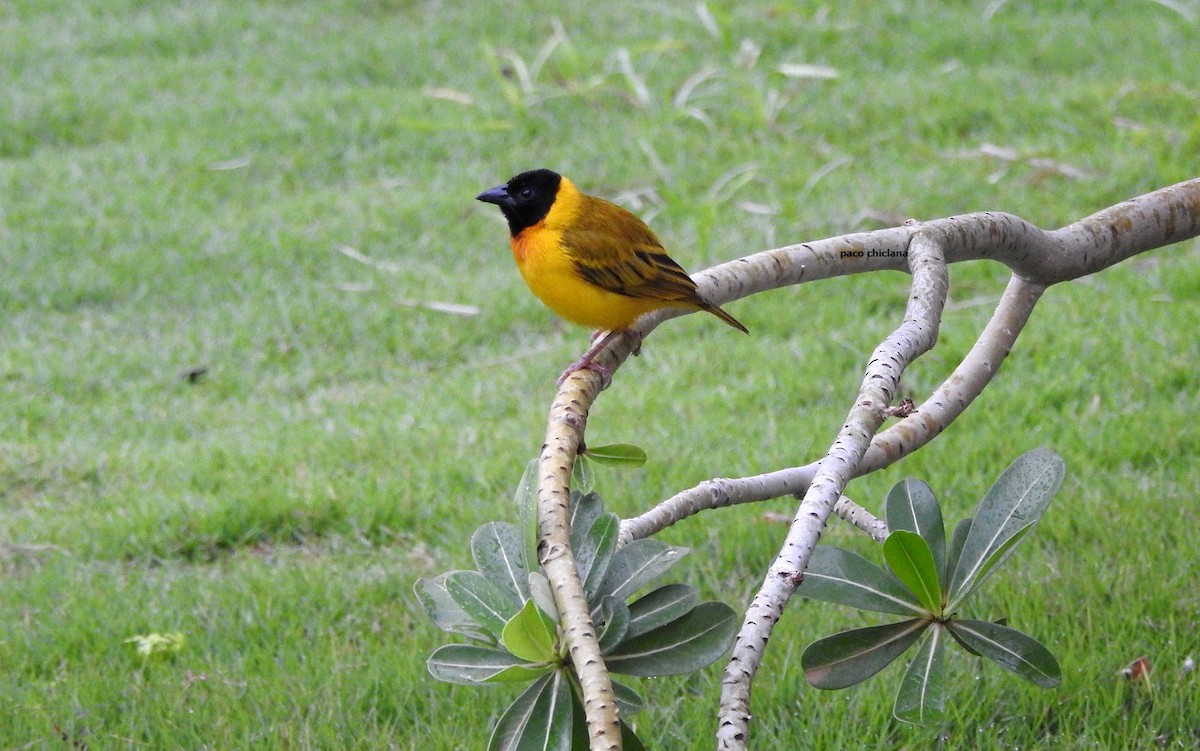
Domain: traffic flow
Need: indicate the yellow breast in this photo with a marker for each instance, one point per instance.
(552, 276)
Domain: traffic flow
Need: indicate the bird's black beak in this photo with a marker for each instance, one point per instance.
(497, 195)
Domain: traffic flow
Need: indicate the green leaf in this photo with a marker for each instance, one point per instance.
(525, 500)
(595, 553)
(629, 739)
(447, 614)
(845, 578)
(579, 729)
(961, 530)
(499, 555)
(583, 511)
(910, 559)
(1010, 649)
(682, 646)
(967, 647)
(482, 600)
(637, 564)
(921, 698)
(1017, 500)
(530, 635)
(612, 623)
(629, 702)
(912, 506)
(540, 719)
(471, 664)
(617, 455)
(851, 657)
(583, 477)
(997, 557)
(660, 607)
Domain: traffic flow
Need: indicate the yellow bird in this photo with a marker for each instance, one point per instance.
(589, 260)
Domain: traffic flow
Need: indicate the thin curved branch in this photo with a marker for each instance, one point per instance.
(723, 491)
(716, 493)
(851, 513)
(913, 337)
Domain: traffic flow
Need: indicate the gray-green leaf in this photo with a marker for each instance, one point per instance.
(845, 578)
(594, 554)
(1017, 500)
(583, 511)
(1010, 649)
(612, 623)
(498, 551)
(471, 664)
(661, 606)
(682, 646)
(922, 695)
(637, 564)
(851, 657)
(629, 702)
(481, 599)
(539, 720)
(583, 477)
(447, 614)
(954, 552)
(525, 500)
(542, 595)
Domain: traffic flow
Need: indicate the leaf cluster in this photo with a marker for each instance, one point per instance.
(507, 611)
(928, 581)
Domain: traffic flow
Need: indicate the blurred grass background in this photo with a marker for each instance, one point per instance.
(264, 361)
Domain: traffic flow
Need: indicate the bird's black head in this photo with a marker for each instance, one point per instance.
(525, 199)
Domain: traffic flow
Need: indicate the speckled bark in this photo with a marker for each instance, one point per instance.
(914, 336)
(568, 417)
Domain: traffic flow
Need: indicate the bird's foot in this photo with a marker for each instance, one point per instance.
(586, 362)
(604, 372)
(634, 335)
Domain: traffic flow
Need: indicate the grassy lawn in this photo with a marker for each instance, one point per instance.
(234, 402)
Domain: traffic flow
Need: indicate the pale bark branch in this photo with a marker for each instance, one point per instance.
(568, 417)
(851, 513)
(716, 493)
(912, 338)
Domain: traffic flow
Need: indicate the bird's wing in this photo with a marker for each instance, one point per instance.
(632, 266)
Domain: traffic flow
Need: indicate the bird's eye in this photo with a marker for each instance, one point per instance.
(527, 193)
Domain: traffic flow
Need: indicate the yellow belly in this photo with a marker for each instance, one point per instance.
(551, 276)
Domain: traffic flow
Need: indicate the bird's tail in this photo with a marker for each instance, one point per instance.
(726, 318)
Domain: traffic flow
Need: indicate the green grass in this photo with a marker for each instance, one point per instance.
(176, 179)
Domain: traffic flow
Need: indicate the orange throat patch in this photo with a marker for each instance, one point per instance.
(522, 244)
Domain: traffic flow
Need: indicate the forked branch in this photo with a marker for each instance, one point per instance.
(912, 338)
(1037, 258)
